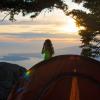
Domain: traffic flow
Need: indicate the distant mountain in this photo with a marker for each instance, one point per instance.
(9, 75)
(69, 50)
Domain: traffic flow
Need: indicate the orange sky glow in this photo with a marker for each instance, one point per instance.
(46, 22)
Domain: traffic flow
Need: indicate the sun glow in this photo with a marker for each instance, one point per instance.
(69, 27)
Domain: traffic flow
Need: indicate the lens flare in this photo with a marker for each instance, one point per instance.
(27, 74)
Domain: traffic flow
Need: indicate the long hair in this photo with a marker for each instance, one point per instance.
(48, 47)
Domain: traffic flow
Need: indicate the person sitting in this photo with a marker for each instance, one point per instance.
(47, 49)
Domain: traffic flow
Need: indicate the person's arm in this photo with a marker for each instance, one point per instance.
(43, 49)
(53, 51)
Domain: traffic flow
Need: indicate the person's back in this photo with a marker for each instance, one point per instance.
(47, 49)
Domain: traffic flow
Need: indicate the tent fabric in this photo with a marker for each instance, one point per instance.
(9, 75)
(64, 77)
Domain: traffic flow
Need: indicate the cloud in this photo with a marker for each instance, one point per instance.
(20, 57)
(29, 28)
(38, 35)
(14, 58)
(27, 38)
(27, 56)
(45, 18)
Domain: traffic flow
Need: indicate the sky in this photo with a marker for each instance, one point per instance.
(46, 22)
(21, 41)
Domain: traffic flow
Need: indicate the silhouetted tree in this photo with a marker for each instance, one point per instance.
(90, 35)
(29, 6)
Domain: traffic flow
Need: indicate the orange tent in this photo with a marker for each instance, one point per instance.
(66, 77)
